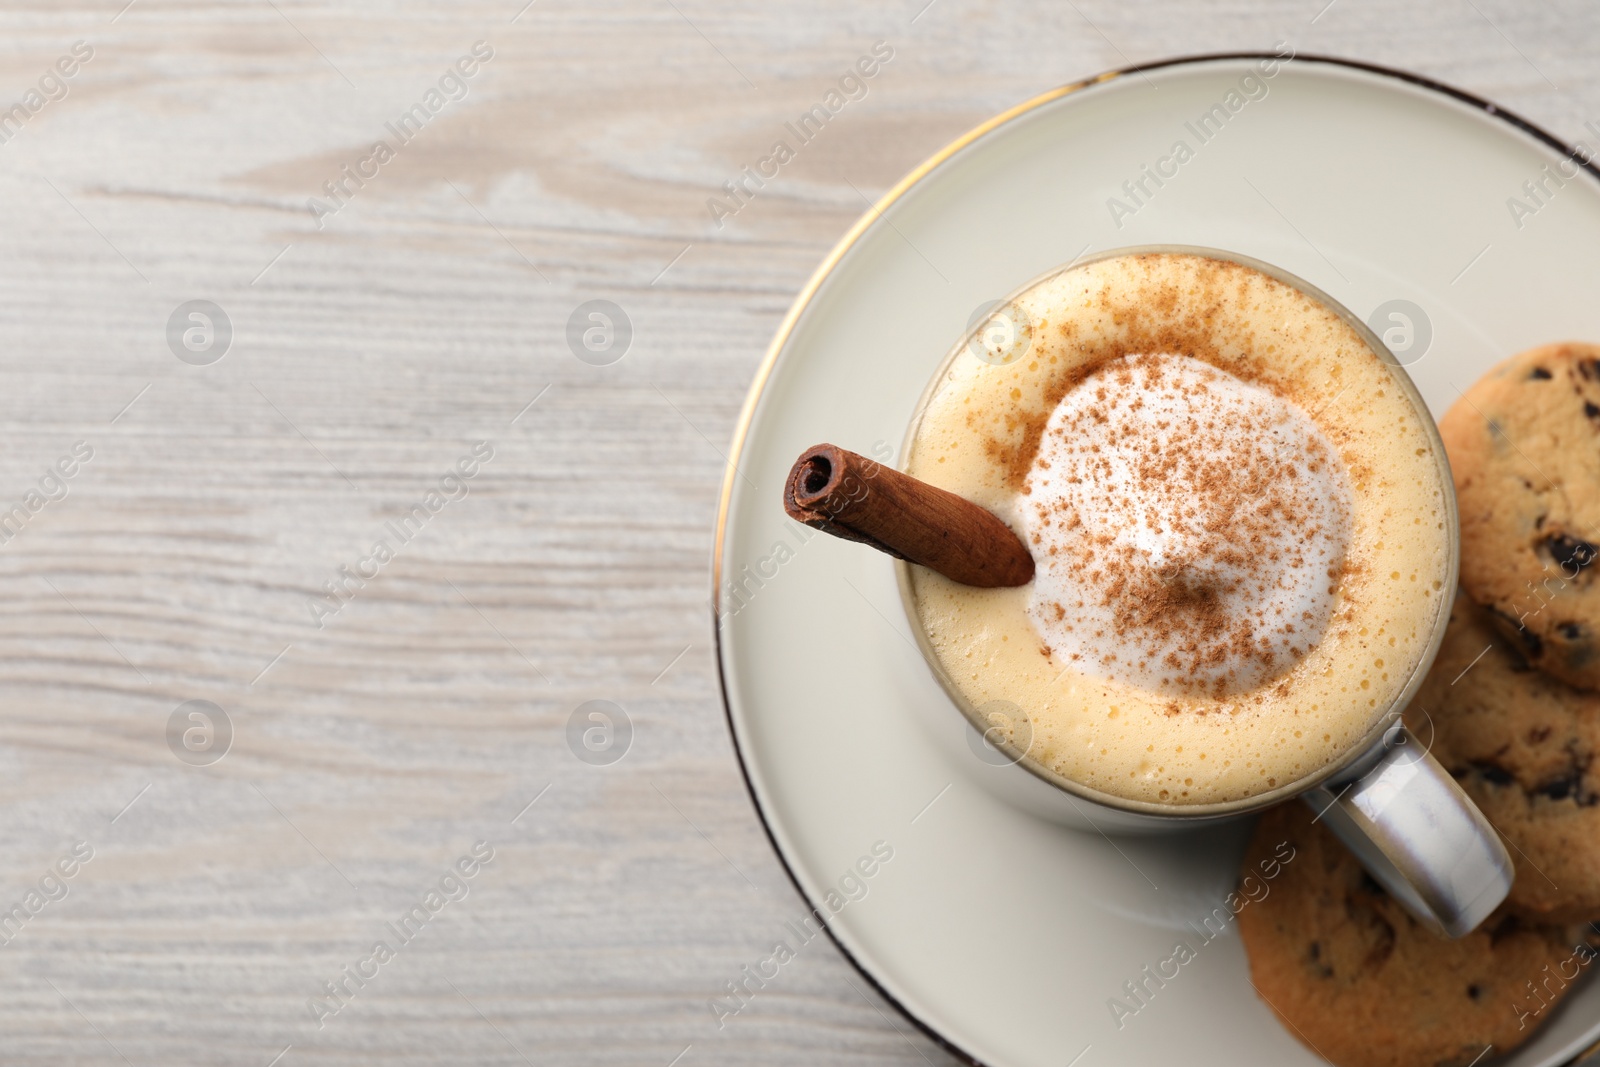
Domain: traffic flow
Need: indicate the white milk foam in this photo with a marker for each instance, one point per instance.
(1190, 528)
(1335, 470)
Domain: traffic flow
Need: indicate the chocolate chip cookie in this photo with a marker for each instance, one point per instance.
(1363, 984)
(1524, 445)
(1522, 745)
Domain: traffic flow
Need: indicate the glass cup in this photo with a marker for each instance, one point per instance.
(1384, 796)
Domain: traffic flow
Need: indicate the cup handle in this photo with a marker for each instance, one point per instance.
(1418, 834)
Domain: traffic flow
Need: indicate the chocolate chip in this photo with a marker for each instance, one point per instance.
(1590, 410)
(1475, 990)
(1539, 374)
(1493, 773)
(1571, 631)
(1572, 553)
(1559, 788)
(1571, 783)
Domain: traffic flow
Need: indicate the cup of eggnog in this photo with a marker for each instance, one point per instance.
(1245, 547)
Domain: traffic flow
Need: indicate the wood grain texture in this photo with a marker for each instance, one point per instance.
(368, 356)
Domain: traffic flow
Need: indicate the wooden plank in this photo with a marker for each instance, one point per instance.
(368, 354)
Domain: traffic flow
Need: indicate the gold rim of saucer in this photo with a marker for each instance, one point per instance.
(1357, 754)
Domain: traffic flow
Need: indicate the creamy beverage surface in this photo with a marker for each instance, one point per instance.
(1237, 517)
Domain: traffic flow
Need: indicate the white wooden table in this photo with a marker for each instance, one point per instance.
(190, 558)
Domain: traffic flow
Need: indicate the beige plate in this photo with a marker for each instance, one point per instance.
(1002, 934)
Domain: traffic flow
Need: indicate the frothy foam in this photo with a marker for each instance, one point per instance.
(1190, 528)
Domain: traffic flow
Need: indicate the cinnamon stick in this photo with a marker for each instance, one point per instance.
(848, 495)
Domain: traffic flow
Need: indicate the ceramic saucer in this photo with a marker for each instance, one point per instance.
(1425, 210)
